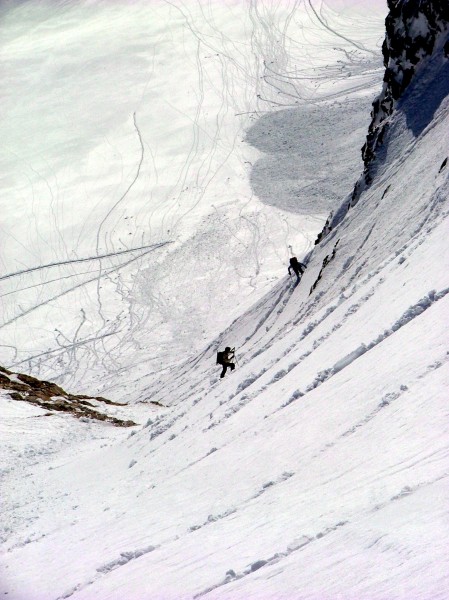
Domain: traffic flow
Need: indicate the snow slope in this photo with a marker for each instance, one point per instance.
(318, 469)
(132, 230)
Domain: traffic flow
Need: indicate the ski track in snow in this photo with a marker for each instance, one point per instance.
(273, 48)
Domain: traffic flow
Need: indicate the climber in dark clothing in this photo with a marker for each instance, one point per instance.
(225, 358)
(297, 267)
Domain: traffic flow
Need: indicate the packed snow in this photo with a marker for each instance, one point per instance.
(318, 468)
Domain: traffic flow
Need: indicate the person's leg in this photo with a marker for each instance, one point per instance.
(232, 366)
(223, 372)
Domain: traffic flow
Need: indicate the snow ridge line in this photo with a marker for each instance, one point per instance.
(305, 540)
(408, 490)
(411, 313)
(285, 476)
(123, 559)
(213, 518)
(415, 241)
(294, 546)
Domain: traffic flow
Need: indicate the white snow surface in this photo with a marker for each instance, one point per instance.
(130, 161)
(318, 469)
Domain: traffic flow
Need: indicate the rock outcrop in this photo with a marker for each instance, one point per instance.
(415, 31)
(51, 397)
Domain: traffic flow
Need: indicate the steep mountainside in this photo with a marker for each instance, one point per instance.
(318, 469)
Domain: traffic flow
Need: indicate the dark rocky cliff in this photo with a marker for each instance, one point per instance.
(415, 31)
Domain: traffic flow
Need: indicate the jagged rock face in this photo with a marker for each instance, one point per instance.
(414, 30)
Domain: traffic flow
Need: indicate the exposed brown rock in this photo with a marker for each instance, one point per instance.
(52, 397)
